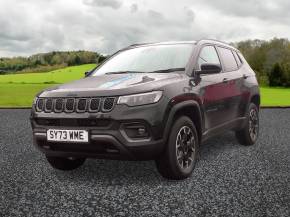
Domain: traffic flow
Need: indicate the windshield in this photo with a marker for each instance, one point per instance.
(155, 58)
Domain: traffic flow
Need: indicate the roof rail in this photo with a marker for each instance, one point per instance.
(133, 45)
(210, 39)
(157, 43)
(215, 40)
(138, 44)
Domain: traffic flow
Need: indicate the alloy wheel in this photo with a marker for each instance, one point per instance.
(253, 124)
(185, 147)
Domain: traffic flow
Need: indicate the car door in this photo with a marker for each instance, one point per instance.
(212, 89)
(246, 77)
(233, 82)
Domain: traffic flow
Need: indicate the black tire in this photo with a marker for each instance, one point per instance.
(249, 134)
(62, 163)
(182, 144)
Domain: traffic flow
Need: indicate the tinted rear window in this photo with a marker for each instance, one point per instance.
(228, 58)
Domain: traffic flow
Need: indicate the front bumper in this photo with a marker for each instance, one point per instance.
(100, 146)
(108, 137)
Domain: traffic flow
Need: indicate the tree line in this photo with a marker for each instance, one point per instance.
(269, 59)
(48, 61)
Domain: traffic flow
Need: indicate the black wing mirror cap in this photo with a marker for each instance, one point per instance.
(209, 68)
(87, 74)
(206, 69)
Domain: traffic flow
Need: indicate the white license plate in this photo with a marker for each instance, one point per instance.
(67, 135)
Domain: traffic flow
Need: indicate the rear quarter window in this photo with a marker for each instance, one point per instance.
(228, 59)
(238, 59)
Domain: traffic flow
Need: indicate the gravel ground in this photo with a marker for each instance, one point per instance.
(229, 180)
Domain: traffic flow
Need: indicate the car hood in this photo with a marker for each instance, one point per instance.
(112, 85)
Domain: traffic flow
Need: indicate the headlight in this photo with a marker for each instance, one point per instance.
(140, 99)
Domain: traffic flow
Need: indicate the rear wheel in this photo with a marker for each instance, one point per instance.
(249, 134)
(180, 157)
(62, 163)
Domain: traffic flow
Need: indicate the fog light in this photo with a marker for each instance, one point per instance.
(142, 131)
(136, 130)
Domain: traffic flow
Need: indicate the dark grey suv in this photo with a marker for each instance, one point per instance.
(150, 101)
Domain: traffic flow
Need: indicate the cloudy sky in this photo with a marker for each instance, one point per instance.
(33, 26)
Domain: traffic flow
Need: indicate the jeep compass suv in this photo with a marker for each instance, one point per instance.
(157, 101)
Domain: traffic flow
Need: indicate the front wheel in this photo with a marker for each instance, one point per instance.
(180, 156)
(249, 134)
(62, 163)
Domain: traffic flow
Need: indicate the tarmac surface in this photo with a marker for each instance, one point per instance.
(229, 179)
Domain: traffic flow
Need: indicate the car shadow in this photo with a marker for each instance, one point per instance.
(218, 145)
(131, 172)
(113, 172)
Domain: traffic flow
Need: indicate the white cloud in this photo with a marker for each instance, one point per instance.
(34, 26)
(115, 4)
(134, 8)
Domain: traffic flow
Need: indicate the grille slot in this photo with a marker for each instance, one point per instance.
(81, 105)
(48, 105)
(58, 105)
(94, 104)
(108, 104)
(39, 105)
(70, 105)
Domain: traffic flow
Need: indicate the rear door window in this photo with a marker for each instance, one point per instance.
(228, 58)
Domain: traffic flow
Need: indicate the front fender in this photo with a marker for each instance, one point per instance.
(172, 111)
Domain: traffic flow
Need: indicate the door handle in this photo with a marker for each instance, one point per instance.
(225, 80)
(245, 76)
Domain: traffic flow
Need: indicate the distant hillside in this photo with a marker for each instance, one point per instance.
(45, 62)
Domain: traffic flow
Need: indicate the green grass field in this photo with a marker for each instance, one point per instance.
(19, 95)
(54, 77)
(19, 90)
(271, 96)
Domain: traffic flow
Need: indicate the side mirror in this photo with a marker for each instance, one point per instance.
(87, 73)
(206, 69)
(209, 68)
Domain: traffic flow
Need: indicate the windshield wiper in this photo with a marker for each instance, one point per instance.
(168, 70)
(122, 72)
(156, 71)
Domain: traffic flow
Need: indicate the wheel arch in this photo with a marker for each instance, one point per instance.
(188, 108)
(256, 100)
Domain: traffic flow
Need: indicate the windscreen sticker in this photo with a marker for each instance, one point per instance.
(116, 81)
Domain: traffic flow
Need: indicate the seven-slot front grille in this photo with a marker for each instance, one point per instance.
(80, 105)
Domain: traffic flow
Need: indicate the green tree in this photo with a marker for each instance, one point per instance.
(276, 75)
(286, 75)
